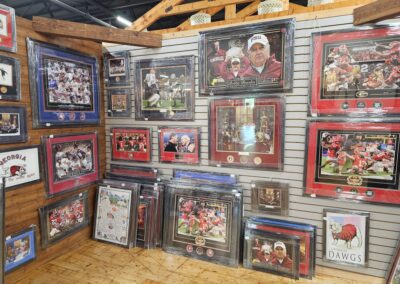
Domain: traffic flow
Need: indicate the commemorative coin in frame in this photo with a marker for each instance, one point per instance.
(8, 30)
(255, 57)
(270, 197)
(355, 72)
(71, 160)
(13, 125)
(20, 166)
(346, 236)
(247, 132)
(393, 275)
(165, 88)
(119, 102)
(64, 86)
(10, 85)
(353, 160)
(179, 145)
(116, 69)
(130, 144)
(63, 218)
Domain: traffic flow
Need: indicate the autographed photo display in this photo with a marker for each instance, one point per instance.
(8, 38)
(9, 79)
(131, 144)
(116, 69)
(270, 197)
(165, 89)
(12, 125)
(247, 132)
(357, 161)
(64, 86)
(20, 248)
(242, 58)
(356, 72)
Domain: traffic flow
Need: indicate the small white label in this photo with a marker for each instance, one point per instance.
(155, 184)
(51, 136)
(108, 186)
(163, 110)
(253, 185)
(48, 124)
(324, 218)
(141, 197)
(232, 175)
(111, 134)
(8, 238)
(122, 184)
(247, 238)
(80, 194)
(211, 94)
(244, 153)
(234, 190)
(158, 179)
(237, 194)
(218, 165)
(109, 110)
(159, 131)
(146, 118)
(1, 97)
(155, 171)
(313, 195)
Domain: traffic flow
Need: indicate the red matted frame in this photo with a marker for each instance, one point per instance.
(180, 155)
(358, 181)
(261, 152)
(8, 34)
(74, 179)
(131, 144)
(366, 50)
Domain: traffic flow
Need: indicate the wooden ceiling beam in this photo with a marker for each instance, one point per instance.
(230, 12)
(376, 11)
(95, 32)
(248, 10)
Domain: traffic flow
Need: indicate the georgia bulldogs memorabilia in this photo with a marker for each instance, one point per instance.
(64, 86)
(10, 86)
(353, 160)
(247, 132)
(12, 125)
(131, 144)
(20, 166)
(116, 69)
(8, 30)
(356, 72)
(270, 197)
(119, 102)
(71, 161)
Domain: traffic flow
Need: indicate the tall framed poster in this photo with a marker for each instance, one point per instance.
(8, 30)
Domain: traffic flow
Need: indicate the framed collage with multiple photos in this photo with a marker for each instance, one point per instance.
(270, 197)
(130, 144)
(63, 218)
(8, 30)
(64, 86)
(256, 57)
(165, 88)
(247, 132)
(10, 79)
(71, 161)
(116, 69)
(355, 72)
(13, 128)
(119, 102)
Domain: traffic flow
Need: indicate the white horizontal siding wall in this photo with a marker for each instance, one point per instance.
(385, 221)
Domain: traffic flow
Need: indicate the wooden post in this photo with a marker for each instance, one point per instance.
(376, 11)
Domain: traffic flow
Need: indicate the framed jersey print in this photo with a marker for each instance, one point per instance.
(8, 30)
(10, 85)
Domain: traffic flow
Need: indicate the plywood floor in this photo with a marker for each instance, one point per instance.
(96, 262)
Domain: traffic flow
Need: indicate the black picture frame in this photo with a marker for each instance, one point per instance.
(119, 102)
(117, 76)
(270, 197)
(10, 79)
(13, 128)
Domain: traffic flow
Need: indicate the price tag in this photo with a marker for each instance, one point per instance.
(48, 124)
(244, 154)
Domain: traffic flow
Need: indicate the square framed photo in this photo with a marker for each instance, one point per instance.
(270, 197)
(247, 132)
(63, 218)
(64, 86)
(117, 69)
(131, 144)
(72, 161)
(13, 125)
(20, 166)
(165, 88)
(10, 78)
(271, 252)
(393, 275)
(355, 72)
(256, 57)
(8, 30)
(346, 235)
(353, 160)
(179, 145)
(20, 249)
(119, 102)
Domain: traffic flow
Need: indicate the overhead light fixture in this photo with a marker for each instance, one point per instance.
(200, 18)
(124, 21)
(270, 6)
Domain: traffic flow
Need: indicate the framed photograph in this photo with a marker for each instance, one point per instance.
(20, 166)
(247, 132)
(145, 221)
(122, 171)
(393, 275)
(346, 236)
(115, 218)
(64, 86)
(355, 72)
(165, 88)
(20, 249)
(270, 197)
(354, 160)
(256, 57)
(61, 219)
(179, 145)
(119, 102)
(272, 253)
(8, 30)
(72, 161)
(205, 177)
(13, 125)
(10, 78)
(2, 227)
(131, 144)
(116, 69)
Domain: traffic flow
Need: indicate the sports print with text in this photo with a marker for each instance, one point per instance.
(17, 250)
(72, 159)
(131, 142)
(9, 124)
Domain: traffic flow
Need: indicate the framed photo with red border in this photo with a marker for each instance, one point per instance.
(131, 144)
(354, 160)
(355, 72)
(247, 132)
(8, 30)
(179, 145)
(71, 161)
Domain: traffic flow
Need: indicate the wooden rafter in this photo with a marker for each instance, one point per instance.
(230, 12)
(376, 11)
